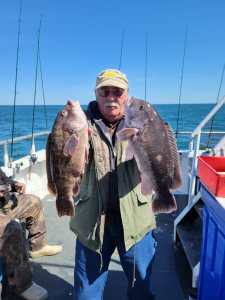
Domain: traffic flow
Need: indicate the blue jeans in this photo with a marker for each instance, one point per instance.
(90, 278)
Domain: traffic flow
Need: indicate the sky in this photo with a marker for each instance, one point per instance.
(80, 38)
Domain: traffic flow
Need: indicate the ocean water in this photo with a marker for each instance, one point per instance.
(190, 116)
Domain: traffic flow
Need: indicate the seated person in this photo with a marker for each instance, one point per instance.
(15, 204)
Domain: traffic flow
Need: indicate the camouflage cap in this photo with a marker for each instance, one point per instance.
(112, 77)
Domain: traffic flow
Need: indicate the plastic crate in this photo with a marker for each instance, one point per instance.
(211, 170)
(212, 267)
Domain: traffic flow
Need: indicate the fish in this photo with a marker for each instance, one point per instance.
(152, 143)
(66, 156)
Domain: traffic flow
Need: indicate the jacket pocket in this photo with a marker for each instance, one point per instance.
(142, 199)
(81, 199)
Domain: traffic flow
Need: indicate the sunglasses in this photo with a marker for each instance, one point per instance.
(105, 91)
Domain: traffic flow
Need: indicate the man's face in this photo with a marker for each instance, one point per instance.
(111, 102)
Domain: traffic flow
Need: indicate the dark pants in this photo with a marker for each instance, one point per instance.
(16, 268)
(90, 278)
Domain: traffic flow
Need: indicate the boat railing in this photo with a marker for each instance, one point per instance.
(7, 160)
(194, 150)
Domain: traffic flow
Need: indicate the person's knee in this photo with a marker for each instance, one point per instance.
(34, 200)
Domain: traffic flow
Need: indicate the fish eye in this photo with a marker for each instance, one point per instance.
(64, 113)
(141, 107)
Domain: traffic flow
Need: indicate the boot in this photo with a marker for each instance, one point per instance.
(34, 292)
(46, 250)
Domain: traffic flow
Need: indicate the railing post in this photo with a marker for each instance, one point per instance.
(33, 155)
(191, 191)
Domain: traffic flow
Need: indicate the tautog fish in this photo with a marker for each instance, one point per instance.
(153, 145)
(66, 155)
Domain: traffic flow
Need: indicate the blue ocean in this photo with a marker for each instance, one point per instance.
(190, 116)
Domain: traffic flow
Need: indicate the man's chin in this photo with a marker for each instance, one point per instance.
(113, 117)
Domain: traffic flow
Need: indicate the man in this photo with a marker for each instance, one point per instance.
(110, 210)
(15, 204)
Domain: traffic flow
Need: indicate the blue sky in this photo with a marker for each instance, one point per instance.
(80, 38)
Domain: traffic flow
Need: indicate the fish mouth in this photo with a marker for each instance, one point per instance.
(111, 105)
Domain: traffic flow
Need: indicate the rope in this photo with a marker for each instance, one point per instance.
(16, 78)
(181, 81)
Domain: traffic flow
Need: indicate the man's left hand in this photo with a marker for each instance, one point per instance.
(20, 187)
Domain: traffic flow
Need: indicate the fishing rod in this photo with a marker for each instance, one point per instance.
(16, 79)
(33, 155)
(217, 100)
(146, 64)
(181, 81)
(121, 49)
(43, 90)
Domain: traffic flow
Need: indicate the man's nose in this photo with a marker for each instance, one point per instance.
(111, 95)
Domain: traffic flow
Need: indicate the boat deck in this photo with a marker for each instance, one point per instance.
(56, 273)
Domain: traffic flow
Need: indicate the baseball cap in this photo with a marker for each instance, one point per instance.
(112, 77)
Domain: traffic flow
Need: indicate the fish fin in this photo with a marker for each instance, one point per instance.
(86, 154)
(129, 153)
(65, 206)
(90, 130)
(164, 203)
(49, 166)
(146, 188)
(70, 145)
(76, 189)
(177, 177)
(126, 133)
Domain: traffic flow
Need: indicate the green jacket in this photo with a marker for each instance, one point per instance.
(136, 213)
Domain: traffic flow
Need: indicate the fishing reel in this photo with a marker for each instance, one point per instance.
(33, 158)
(8, 195)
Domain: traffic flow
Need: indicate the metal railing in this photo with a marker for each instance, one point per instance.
(5, 143)
(194, 146)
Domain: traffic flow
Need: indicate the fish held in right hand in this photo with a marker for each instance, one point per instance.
(66, 156)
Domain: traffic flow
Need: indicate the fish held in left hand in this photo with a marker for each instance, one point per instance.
(152, 144)
(66, 156)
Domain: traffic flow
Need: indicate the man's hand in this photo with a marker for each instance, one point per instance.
(20, 187)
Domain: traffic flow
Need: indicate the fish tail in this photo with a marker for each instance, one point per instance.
(65, 206)
(164, 203)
